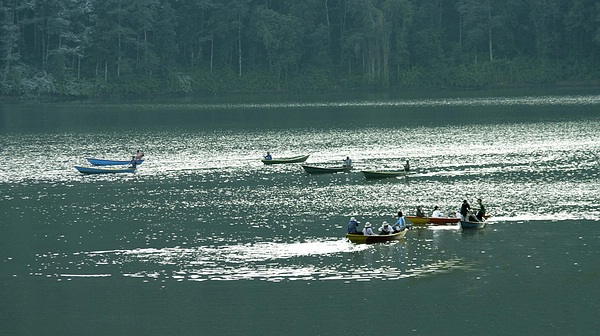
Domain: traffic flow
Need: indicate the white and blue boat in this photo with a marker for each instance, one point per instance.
(104, 170)
(103, 162)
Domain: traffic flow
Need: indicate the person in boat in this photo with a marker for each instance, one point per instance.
(268, 156)
(436, 212)
(347, 162)
(406, 166)
(133, 162)
(464, 209)
(353, 226)
(385, 229)
(420, 212)
(400, 224)
(481, 212)
(139, 154)
(368, 230)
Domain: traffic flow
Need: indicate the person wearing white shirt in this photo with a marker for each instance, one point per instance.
(386, 229)
(368, 230)
(436, 212)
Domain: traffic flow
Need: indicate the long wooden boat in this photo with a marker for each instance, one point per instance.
(443, 220)
(294, 159)
(104, 170)
(104, 162)
(378, 174)
(325, 170)
(418, 220)
(362, 239)
(469, 225)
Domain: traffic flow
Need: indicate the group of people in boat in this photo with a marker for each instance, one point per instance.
(385, 228)
(134, 159)
(347, 162)
(465, 213)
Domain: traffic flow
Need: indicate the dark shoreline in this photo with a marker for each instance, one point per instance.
(566, 88)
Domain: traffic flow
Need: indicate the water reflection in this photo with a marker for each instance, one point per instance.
(317, 260)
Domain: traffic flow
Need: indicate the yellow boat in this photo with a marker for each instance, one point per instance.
(418, 220)
(362, 239)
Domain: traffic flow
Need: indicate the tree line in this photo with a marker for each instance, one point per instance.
(106, 47)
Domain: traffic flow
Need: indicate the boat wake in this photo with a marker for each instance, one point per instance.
(317, 260)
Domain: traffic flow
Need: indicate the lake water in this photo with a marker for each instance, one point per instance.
(206, 240)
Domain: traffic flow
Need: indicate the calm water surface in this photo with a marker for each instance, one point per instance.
(204, 239)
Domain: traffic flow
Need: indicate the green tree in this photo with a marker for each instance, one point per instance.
(280, 36)
(9, 38)
(478, 24)
(114, 37)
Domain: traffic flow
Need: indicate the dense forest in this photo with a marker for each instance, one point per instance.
(121, 47)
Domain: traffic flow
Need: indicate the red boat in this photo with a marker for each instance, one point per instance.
(432, 220)
(443, 220)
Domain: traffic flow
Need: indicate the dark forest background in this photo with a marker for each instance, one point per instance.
(123, 47)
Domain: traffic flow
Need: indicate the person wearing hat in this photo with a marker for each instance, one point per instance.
(368, 230)
(386, 229)
(436, 212)
(353, 226)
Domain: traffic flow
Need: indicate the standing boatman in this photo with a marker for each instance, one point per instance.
(464, 210)
(481, 212)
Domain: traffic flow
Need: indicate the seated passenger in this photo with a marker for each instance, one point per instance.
(386, 229)
(133, 162)
(420, 211)
(472, 218)
(268, 156)
(436, 212)
(353, 226)
(368, 231)
(400, 223)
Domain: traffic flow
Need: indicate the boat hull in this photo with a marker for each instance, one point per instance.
(324, 170)
(371, 174)
(468, 225)
(418, 220)
(104, 170)
(362, 239)
(294, 159)
(443, 220)
(103, 162)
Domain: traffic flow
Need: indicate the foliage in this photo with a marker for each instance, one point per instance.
(140, 47)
